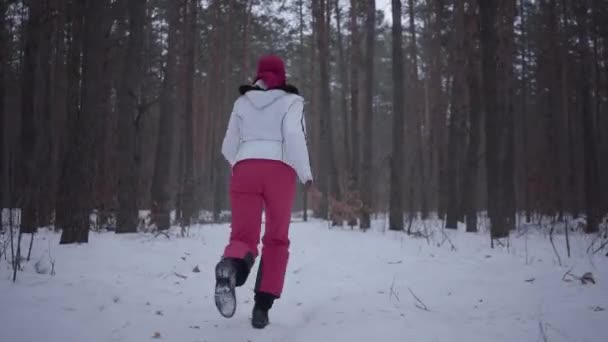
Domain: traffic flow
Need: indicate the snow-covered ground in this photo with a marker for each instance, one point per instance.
(342, 285)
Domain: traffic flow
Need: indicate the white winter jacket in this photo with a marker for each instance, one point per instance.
(268, 125)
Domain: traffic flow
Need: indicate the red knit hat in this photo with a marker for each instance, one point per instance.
(271, 70)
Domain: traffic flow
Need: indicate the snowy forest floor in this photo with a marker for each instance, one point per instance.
(342, 285)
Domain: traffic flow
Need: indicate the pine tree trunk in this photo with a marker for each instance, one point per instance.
(592, 179)
(396, 192)
(80, 162)
(31, 116)
(4, 155)
(470, 181)
(355, 113)
(435, 107)
(58, 97)
(494, 70)
(421, 179)
(188, 181)
(457, 117)
(368, 115)
(326, 181)
(73, 100)
(161, 183)
(129, 97)
(342, 68)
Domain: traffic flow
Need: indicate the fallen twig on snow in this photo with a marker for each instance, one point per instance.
(600, 247)
(51, 260)
(420, 305)
(447, 238)
(567, 274)
(543, 331)
(584, 279)
(392, 291)
(180, 275)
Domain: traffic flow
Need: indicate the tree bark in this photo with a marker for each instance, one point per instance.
(161, 183)
(396, 191)
(129, 97)
(435, 108)
(368, 115)
(457, 117)
(342, 68)
(416, 120)
(592, 179)
(31, 116)
(188, 182)
(80, 161)
(470, 181)
(4, 154)
(327, 177)
(496, 26)
(73, 100)
(355, 113)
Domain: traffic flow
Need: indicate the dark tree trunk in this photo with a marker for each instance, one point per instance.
(495, 26)
(436, 110)
(58, 98)
(355, 62)
(592, 179)
(368, 115)
(188, 182)
(4, 155)
(161, 183)
(457, 117)
(80, 162)
(470, 181)
(31, 92)
(342, 68)
(416, 122)
(327, 177)
(73, 100)
(396, 192)
(129, 97)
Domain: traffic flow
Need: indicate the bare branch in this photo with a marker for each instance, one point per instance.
(420, 304)
(559, 259)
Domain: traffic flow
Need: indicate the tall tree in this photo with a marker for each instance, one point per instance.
(496, 28)
(470, 180)
(457, 116)
(4, 182)
(355, 61)
(73, 96)
(85, 135)
(327, 176)
(161, 184)
(396, 196)
(31, 116)
(414, 121)
(368, 115)
(187, 181)
(129, 97)
(592, 179)
(342, 70)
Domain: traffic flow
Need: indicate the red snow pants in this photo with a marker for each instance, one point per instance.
(262, 185)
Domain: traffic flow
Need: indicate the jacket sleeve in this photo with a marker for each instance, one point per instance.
(294, 128)
(230, 146)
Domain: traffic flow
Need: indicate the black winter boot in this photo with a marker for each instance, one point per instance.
(225, 282)
(263, 303)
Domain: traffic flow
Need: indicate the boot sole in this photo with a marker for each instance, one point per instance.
(259, 325)
(225, 296)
